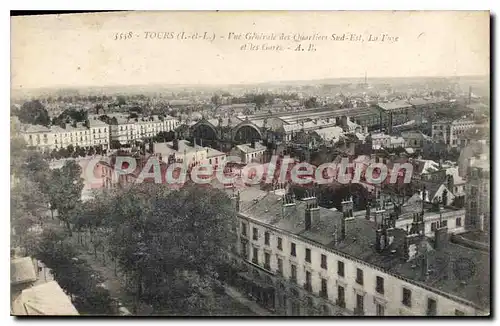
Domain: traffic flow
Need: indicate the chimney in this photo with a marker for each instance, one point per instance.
(368, 211)
(312, 213)
(441, 237)
(424, 265)
(380, 234)
(347, 210)
(237, 201)
(288, 205)
(252, 144)
(343, 122)
(175, 144)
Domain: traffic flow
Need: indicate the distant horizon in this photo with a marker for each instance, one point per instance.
(200, 49)
(270, 82)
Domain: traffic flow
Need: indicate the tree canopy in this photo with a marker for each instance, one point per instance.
(171, 242)
(33, 112)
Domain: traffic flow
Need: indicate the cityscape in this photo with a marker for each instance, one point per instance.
(349, 197)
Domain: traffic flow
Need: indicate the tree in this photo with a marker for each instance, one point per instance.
(74, 275)
(166, 239)
(215, 99)
(120, 100)
(33, 112)
(115, 144)
(311, 103)
(65, 190)
(27, 205)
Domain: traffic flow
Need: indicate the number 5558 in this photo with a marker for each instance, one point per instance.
(123, 36)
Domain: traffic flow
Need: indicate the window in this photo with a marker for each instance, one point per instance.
(255, 258)
(359, 304)
(431, 307)
(293, 273)
(280, 244)
(359, 276)
(380, 309)
(323, 262)
(280, 266)
(244, 249)
(308, 281)
(340, 268)
(458, 221)
(267, 261)
(459, 313)
(340, 296)
(380, 285)
(324, 288)
(406, 297)
(308, 255)
(266, 238)
(255, 234)
(433, 226)
(243, 228)
(292, 250)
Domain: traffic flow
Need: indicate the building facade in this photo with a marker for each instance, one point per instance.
(296, 267)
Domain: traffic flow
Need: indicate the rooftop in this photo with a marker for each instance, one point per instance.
(247, 148)
(330, 133)
(22, 270)
(45, 299)
(396, 105)
(185, 146)
(446, 271)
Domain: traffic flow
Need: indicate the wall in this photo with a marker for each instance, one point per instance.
(392, 298)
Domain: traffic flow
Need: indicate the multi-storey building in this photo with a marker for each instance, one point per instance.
(95, 132)
(450, 131)
(477, 193)
(301, 259)
(126, 130)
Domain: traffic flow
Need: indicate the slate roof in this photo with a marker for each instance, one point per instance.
(247, 148)
(390, 106)
(445, 264)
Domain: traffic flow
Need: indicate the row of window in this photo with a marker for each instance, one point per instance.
(379, 285)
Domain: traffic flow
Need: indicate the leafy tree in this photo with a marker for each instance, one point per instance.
(311, 103)
(115, 144)
(33, 112)
(74, 275)
(91, 151)
(215, 99)
(65, 190)
(120, 100)
(27, 205)
(165, 239)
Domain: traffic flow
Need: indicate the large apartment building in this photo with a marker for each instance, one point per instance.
(126, 130)
(95, 132)
(450, 131)
(302, 259)
(478, 193)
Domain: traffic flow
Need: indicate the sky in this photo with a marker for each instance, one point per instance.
(80, 49)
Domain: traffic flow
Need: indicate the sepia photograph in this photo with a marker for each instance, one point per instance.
(250, 164)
